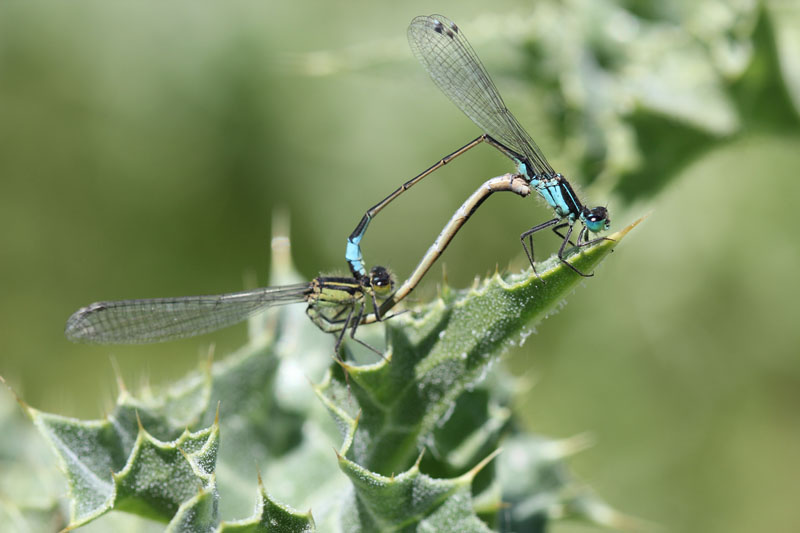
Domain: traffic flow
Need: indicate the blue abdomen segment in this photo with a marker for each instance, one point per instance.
(352, 252)
(523, 169)
(353, 256)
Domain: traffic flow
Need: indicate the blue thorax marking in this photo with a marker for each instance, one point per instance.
(558, 194)
(551, 189)
(552, 193)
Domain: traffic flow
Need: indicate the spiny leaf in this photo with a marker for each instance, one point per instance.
(438, 352)
(432, 395)
(409, 501)
(152, 479)
(160, 476)
(89, 452)
(393, 407)
(257, 426)
(271, 517)
(197, 514)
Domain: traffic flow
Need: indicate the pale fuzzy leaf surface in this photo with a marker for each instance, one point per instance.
(160, 477)
(31, 486)
(271, 516)
(198, 513)
(410, 501)
(152, 478)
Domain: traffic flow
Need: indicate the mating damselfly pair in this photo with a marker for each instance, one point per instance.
(340, 304)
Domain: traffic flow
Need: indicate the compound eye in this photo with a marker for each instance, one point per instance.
(380, 277)
(598, 214)
(596, 219)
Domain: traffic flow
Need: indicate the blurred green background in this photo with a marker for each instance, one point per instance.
(144, 149)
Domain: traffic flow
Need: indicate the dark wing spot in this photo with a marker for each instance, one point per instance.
(437, 27)
(454, 27)
(451, 34)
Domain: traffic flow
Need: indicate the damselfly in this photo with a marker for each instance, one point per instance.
(455, 68)
(334, 305)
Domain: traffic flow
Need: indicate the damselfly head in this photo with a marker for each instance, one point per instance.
(381, 281)
(596, 219)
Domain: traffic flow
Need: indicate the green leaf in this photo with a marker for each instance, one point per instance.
(271, 517)
(766, 93)
(391, 409)
(436, 353)
(199, 513)
(30, 484)
(538, 487)
(410, 501)
(152, 480)
(785, 19)
(160, 476)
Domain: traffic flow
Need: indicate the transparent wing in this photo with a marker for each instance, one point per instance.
(455, 68)
(164, 319)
